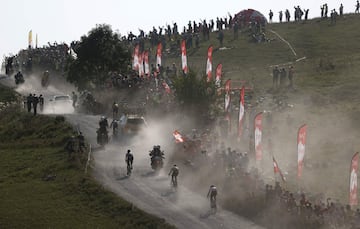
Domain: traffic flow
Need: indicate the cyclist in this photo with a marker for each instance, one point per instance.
(174, 172)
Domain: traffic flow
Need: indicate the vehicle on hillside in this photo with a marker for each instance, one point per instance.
(61, 104)
(132, 124)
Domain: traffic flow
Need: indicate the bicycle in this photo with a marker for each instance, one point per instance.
(128, 170)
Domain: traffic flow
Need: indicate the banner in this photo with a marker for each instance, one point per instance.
(146, 63)
(183, 57)
(258, 135)
(209, 63)
(167, 88)
(301, 141)
(241, 111)
(178, 137)
(227, 95)
(218, 75)
(353, 199)
(136, 58)
(277, 169)
(30, 38)
(141, 65)
(158, 56)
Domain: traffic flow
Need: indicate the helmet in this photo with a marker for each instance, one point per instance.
(128, 151)
(174, 165)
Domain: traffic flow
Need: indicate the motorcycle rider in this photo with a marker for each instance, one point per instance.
(19, 78)
(174, 172)
(129, 159)
(114, 125)
(156, 153)
(45, 78)
(103, 124)
(115, 108)
(212, 194)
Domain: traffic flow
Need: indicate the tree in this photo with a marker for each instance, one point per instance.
(194, 92)
(98, 53)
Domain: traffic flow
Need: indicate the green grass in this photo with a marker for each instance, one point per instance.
(31, 149)
(327, 94)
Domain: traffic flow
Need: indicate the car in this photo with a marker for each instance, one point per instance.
(62, 104)
(132, 124)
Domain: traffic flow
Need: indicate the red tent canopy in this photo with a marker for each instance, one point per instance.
(250, 15)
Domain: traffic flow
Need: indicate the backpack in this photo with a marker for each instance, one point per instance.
(175, 171)
(130, 157)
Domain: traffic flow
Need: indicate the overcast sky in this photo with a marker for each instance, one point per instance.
(68, 20)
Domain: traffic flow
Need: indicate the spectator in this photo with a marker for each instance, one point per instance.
(271, 14)
(29, 100)
(280, 16)
(341, 9)
(35, 101)
(220, 37)
(357, 6)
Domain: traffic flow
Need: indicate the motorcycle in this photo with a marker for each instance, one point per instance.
(157, 163)
(102, 138)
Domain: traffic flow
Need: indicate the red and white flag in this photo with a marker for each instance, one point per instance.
(178, 137)
(301, 142)
(141, 65)
(353, 198)
(277, 169)
(227, 95)
(183, 57)
(218, 75)
(209, 63)
(167, 88)
(136, 58)
(158, 56)
(146, 63)
(258, 135)
(241, 111)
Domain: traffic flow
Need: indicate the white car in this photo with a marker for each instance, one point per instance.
(61, 104)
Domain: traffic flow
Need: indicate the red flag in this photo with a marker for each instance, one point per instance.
(178, 137)
(218, 75)
(227, 95)
(141, 65)
(301, 141)
(353, 199)
(146, 63)
(209, 63)
(277, 169)
(258, 134)
(167, 88)
(136, 58)
(183, 57)
(158, 56)
(241, 110)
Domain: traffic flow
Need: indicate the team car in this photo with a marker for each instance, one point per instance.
(62, 104)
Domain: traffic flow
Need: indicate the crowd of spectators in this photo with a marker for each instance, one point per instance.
(246, 192)
(52, 57)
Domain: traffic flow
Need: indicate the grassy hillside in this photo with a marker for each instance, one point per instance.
(41, 188)
(326, 96)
